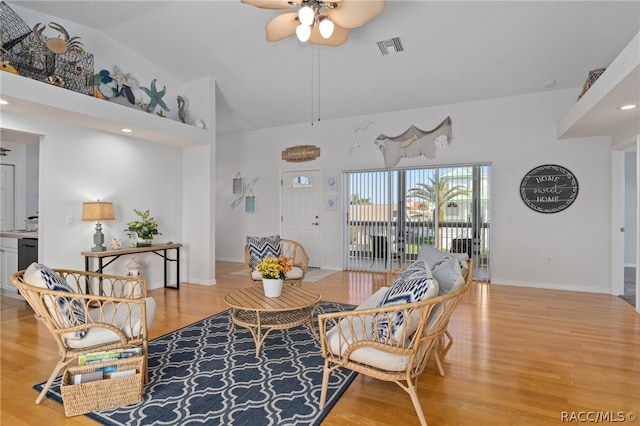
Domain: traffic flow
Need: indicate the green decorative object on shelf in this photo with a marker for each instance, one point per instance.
(145, 228)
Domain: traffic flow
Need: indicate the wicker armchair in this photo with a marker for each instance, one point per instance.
(440, 349)
(108, 312)
(352, 340)
(289, 248)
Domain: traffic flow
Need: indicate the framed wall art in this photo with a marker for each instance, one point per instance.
(549, 188)
(330, 182)
(238, 184)
(250, 204)
(331, 203)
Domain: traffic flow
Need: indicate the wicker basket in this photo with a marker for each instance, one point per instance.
(591, 79)
(102, 394)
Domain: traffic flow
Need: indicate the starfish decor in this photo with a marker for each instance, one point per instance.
(126, 84)
(118, 76)
(155, 97)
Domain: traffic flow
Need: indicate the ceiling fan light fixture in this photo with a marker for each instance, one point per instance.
(322, 22)
(303, 32)
(306, 15)
(326, 27)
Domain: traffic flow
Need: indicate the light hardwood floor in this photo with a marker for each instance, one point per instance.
(521, 356)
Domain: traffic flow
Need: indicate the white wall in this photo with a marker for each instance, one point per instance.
(514, 134)
(198, 197)
(26, 157)
(197, 218)
(78, 165)
(630, 191)
(18, 159)
(32, 179)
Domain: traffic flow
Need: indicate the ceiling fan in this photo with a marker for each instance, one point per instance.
(318, 21)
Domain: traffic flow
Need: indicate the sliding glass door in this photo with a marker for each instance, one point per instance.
(391, 213)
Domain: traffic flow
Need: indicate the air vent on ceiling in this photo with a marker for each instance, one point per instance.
(391, 45)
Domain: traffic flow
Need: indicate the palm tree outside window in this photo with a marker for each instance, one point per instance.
(447, 207)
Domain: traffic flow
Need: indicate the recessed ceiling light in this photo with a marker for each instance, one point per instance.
(125, 130)
(3, 102)
(630, 106)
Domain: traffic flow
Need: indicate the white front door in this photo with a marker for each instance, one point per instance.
(301, 211)
(7, 197)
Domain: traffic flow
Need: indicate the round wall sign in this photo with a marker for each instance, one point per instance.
(549, 188)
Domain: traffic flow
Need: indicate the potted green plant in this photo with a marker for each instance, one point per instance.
(145, 228)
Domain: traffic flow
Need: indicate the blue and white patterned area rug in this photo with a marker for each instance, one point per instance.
(202, 375)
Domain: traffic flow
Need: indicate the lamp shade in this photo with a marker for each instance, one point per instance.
(95, 211)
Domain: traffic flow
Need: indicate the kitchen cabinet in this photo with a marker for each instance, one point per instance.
(8, 264)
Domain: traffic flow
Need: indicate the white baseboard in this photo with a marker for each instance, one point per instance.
(12, 294)
(550, 286)
(207, 283)
(331, 268)
(229, 259)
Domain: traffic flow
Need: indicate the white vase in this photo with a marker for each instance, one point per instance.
(144, 242)
(272, 288)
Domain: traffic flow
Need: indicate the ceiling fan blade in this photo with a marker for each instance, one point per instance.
(282, 26)
(269, 4)
(353, 13)
(339, 36)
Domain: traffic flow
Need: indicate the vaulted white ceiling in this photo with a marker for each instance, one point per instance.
(455, 51)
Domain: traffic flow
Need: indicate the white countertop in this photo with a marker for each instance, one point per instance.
(19, 233)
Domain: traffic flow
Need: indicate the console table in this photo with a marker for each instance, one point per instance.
(159, 249)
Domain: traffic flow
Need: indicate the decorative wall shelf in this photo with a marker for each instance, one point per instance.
(597, 113)
(35, 98)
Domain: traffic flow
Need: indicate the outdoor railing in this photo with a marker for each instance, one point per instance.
(380, 239)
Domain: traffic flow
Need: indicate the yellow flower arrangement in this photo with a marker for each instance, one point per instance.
(272, 268)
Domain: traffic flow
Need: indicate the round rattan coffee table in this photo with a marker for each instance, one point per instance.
(262, 314)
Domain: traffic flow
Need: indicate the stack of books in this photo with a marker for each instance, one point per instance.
(104, 371)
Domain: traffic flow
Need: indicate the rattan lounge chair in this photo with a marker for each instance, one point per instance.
(105, 312)
(289, 248)
(351, 339)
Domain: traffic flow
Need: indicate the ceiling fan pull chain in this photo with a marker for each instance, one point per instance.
(318, 78)
(312, 80)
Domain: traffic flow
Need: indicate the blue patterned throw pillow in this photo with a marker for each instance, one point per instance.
(261, 247)
(415, 284)
(40, 275)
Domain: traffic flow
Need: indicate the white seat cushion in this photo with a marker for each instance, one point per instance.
(338, 343)
(374, 299)
(97, 336)
(368, 356)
